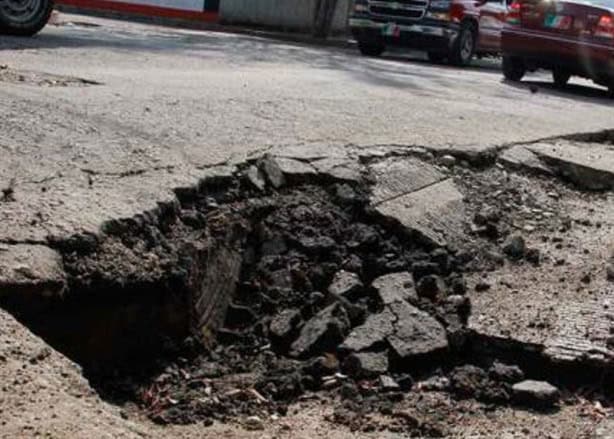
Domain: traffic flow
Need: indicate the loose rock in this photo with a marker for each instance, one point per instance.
(514, 247)
(322, 333)
(506, 373)
(447, 160)
(388, 384)
(345, 284)
(416, 332)
(272, 171)
(253, 423)
(539, 394)
(366, 364)
(256, 178)
(283, 325)
(375, 330)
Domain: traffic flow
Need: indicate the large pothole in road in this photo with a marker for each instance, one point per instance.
(289, 276)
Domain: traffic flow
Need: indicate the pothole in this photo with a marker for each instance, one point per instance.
(42, 79)
(288, 278)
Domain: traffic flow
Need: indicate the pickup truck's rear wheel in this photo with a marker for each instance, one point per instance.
(24, 17)
(560, 77)
(514, 68)
(463, 47)
(370, 48)
(436, 57)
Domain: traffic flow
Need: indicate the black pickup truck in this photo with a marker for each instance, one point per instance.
(24, 17)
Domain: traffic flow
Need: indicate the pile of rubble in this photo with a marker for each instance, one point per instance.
(332, 298)
(363, 278)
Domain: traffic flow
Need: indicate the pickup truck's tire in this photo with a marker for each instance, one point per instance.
(436, 57)
(464, 45)
(24, 17)
(370, 48)
(514, 68)
(560, 77)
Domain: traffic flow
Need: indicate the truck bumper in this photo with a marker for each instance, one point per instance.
(426, 35)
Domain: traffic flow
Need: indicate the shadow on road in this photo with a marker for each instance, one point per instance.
(576, 92)
(398, 69)
(238, 50)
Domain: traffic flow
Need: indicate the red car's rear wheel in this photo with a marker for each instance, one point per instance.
(560, 77)
(514, 68)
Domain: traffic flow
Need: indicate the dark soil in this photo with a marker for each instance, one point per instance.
(303, 237)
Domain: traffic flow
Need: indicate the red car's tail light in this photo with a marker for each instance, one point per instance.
(513, 13)
(605, 27)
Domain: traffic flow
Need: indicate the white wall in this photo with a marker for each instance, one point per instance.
(285, 14)
(183, 5)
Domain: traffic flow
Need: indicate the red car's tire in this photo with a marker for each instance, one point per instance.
(513, 68)
(24, 17)
(560, 77)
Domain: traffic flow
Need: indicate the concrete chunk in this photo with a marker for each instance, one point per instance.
(539, 393)
(322, 333)
(416, 332)
(295, 168)
(589, 165)
(342, 169)
(398, 176)
(345, 284)
(366, 364)
(272, 171)
(395, 287)
(375, 330)
(519, 157)
(436, 212)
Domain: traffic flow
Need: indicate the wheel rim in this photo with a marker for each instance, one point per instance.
(466, 45)
(20, 11)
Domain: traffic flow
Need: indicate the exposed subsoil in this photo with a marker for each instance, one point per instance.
(308, 280)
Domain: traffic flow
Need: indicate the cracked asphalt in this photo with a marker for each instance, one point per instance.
(101, 119)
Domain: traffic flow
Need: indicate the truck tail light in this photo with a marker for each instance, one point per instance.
(513, 13)
(605, 27)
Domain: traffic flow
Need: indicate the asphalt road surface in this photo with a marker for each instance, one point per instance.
(100, 119)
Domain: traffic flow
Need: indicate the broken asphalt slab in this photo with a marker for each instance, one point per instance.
(31, 269)
(435, 213)
(588, 165)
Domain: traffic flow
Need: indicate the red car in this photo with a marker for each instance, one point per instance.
(569, 37)
(452, 29)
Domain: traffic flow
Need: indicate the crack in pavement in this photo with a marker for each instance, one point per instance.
(396, 197)
(129, 173)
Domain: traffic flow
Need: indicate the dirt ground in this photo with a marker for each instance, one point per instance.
(44, 395)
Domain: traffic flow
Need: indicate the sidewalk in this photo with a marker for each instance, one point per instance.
(341, 41)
